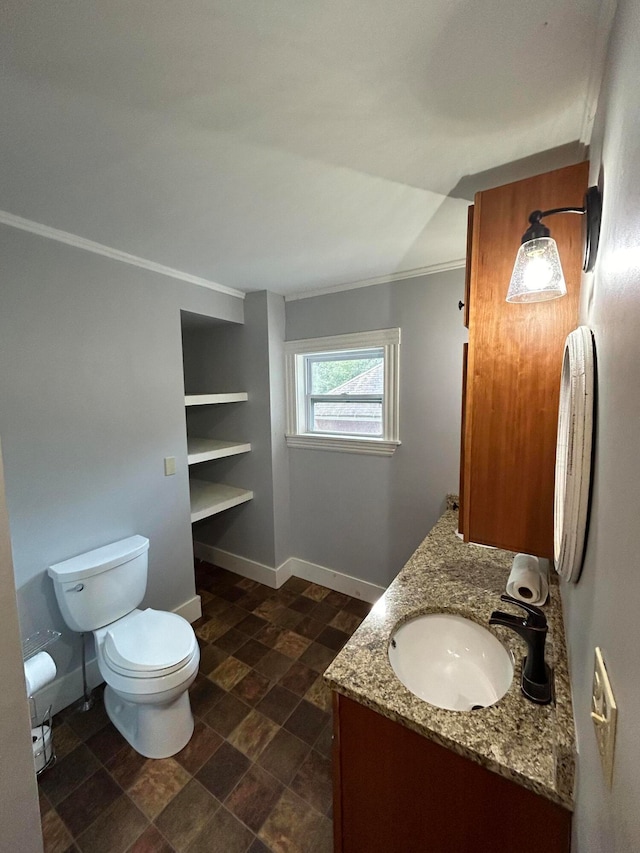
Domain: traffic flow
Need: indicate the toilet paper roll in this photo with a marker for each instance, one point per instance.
(528, 580)
(41, 744)
(39, 671)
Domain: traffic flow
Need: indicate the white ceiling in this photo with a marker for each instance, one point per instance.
(290, 145)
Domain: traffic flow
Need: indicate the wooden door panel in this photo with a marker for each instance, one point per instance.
(401, 793)
(515, 359)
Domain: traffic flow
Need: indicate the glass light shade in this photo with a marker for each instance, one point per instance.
(537, 273)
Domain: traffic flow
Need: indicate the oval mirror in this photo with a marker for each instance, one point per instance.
(573, 453)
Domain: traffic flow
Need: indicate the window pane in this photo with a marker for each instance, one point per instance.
(342, 392)
(336, 374)
(351, 417)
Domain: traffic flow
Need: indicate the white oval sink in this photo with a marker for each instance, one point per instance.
(451, 662)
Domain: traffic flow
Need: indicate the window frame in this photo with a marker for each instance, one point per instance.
(296, 361)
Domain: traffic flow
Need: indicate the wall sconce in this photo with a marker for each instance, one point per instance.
(537, 274)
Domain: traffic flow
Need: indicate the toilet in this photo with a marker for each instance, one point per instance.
(148, 658)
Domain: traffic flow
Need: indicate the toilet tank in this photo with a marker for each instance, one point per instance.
(100, 586)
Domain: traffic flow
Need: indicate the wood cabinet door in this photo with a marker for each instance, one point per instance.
(397, 792)
(514, 365)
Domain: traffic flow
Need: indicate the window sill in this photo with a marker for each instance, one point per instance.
(342, 444)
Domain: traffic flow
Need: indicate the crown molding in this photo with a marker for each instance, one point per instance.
(599, 55)
(457, 264)
(37, 228)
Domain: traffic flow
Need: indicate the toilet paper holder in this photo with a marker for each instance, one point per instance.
(38, 642)
(44, 755)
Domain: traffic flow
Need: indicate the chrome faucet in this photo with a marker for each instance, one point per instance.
(536, 675)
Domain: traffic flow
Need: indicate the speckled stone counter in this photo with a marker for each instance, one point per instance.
(530, 744)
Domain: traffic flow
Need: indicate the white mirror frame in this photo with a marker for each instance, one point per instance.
(573, 453)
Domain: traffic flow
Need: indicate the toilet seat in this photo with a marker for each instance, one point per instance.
(148, 644)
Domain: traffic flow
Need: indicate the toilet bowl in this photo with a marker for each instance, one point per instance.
(148, 658)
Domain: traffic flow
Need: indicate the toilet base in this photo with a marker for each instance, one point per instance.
(155, 731)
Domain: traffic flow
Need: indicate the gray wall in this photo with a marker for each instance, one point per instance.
(91, 393)
(248, 358)
(602, 610)
(279, 452)
(365, 515)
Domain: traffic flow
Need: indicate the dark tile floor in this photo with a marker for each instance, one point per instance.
(256, 775)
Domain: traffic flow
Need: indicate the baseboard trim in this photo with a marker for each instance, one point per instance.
(275, 577)
(340, 582)
(267, 575)
(67, 689)
(191, 610)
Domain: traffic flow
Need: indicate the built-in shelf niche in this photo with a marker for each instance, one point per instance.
(211, 498)
(214, 399)
(206, 449)
(213, 421)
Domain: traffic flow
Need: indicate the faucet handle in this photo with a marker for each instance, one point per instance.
(536, 617)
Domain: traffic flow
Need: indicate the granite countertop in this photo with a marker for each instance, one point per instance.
(533, 745)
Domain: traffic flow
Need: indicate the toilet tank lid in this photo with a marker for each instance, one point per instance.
(99, 560)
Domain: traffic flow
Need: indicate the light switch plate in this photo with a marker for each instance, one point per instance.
(604, 713)
(169, 465)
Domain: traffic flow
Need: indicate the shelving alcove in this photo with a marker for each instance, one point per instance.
(208, 498)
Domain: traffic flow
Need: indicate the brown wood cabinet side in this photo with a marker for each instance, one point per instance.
(397, 792)
(514, 366)
(467, 270)
(461, 500)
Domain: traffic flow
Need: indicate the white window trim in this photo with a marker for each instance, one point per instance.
(389, 341)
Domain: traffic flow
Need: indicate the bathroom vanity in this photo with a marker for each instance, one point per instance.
(409, 776)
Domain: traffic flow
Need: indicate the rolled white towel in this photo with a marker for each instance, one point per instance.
(528, 581)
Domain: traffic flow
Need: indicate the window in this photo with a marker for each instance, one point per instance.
(342, 392)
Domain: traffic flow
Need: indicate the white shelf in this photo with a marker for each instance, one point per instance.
(213, 399)
(204, 449)
(210, 498)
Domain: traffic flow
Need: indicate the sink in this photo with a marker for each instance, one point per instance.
(451, 662)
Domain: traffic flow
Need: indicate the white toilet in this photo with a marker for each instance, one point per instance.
(148, 658)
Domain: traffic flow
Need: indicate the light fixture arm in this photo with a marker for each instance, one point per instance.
(592, 211)
(536, 229)
(563, 210)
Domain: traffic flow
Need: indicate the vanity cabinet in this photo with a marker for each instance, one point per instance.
(398, 792)
(513, 366)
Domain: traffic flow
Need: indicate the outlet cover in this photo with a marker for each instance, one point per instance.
(604, 713)
(169, 465)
